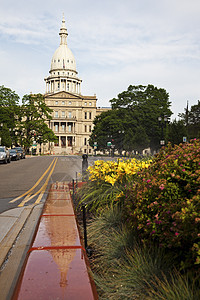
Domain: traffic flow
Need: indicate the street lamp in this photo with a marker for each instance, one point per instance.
(109, 144)
(121, 144)
(162, 122)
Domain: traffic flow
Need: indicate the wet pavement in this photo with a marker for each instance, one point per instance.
(56, 266)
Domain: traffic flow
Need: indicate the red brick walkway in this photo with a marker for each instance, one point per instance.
(56, 267)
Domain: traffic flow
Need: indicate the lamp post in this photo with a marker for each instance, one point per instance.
(109, 144)
(162, 122)
(40, 143)
(121, 144)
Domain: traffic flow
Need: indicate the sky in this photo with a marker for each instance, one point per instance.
(115, 43)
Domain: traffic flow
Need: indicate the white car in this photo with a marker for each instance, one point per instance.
(4, 155)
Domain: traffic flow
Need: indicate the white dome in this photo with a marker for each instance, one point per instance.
(63, 59)
(63, 74)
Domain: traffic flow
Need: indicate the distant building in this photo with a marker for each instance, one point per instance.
(73, 113)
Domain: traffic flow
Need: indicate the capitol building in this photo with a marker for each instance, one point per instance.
(73, 114)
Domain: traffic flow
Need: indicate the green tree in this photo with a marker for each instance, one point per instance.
(133, 121)
(191, 119)
(140, 140)
(33, 121)
(177, 130)
(145, 104)
(9, 111)
(194, 121)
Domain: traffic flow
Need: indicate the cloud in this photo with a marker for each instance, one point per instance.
(115, 44)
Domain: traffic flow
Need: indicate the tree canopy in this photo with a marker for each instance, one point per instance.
(9, 110)
(133, 121)
(34, 114)
(191, 120)
(22, 124)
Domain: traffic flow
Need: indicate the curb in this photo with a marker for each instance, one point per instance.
(15, 246)
(10, 237)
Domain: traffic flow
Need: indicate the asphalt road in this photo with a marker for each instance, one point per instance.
(27, 181)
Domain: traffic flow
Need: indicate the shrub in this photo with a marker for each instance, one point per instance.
(107, 181)
(163, 202)
(123, 268)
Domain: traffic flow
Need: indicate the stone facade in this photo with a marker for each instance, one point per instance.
(73, 114)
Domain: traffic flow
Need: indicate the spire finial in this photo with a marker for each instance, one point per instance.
(63, 32)
(63, 20)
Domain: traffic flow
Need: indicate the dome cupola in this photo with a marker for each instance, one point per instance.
(63, 74)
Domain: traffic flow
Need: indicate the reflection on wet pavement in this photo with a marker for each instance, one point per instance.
(56, 267)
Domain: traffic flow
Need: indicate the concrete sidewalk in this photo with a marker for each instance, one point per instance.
(17, 229)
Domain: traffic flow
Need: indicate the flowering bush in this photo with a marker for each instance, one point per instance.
(115, 172)
(163, 202)
(107, 180)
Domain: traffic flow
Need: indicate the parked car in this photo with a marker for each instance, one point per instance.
(14, 154)
(4, 154)
(21, 151)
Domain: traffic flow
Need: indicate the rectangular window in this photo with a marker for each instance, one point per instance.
(63, 114)
(85, 115)
(63, 127)
(90, 115)
(85, 128)
(56, 127)
(56, 102)
(70, 102)
(56, 114)
(68, 86)
(70, 128)
(63, 102)
(90, 128)
(70, 114)
(85, 141)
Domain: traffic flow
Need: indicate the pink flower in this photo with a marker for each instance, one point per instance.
(176, 233)
(158, 222)
(149, 180)
(161, 187)
(183, 170)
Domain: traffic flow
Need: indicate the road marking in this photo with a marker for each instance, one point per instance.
(45, 185)
(28, 192)
(41, 190)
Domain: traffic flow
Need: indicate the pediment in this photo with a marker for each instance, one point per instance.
(63, 95)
